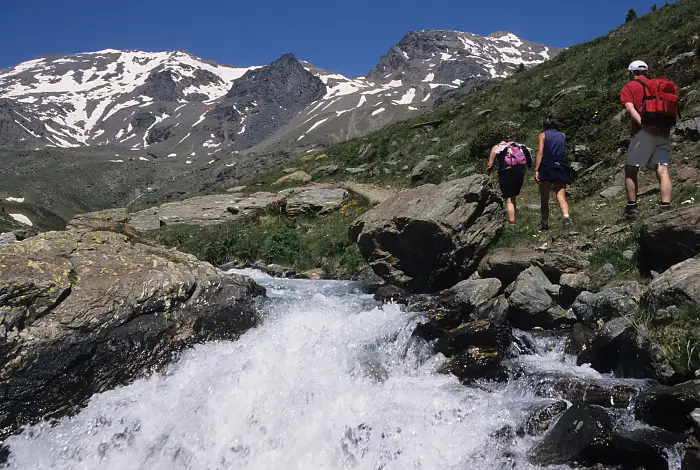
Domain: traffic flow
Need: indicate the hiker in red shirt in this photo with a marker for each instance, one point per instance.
(650, 143)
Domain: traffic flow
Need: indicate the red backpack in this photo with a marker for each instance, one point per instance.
(660, 105)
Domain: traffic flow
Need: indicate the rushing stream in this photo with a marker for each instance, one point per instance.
(328, 381)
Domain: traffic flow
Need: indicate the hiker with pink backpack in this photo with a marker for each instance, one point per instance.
(512, 158)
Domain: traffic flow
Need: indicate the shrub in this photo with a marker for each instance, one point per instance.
(631, 15)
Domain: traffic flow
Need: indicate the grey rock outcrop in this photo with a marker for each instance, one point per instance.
(611, 302)
(531, 303)
(668, 239)
(676, 286)
(506, 264)
(294, 177)
(203, 210)
(431, 237)
(316, 201)
(625, 349)
(422, 170)
(83, 312)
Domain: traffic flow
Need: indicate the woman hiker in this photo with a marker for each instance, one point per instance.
(512, 160)
(552, 170)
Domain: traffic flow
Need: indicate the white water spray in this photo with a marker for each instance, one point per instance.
(328, 381)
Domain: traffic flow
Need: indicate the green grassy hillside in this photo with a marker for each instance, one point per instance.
(591, 73)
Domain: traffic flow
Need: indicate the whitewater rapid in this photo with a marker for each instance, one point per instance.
(329, 380)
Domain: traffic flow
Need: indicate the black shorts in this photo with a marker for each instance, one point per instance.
(511, 182)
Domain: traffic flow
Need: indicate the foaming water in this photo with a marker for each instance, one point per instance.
(328, 381)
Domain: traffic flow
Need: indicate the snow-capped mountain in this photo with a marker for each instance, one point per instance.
(173, 104)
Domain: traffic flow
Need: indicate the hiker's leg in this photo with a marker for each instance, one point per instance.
(545, 187)
(665, 185)
(661, 159)
(510, 210)
(560, 189)
(631, 173)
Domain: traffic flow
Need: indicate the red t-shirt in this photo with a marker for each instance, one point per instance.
(633, 92)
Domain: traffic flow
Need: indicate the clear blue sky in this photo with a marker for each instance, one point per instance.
(344, 36)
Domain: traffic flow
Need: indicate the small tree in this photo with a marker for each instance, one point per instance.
(653, 7)
(631, 15)
(521, 68)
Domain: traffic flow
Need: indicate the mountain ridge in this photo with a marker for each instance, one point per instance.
(107, 97)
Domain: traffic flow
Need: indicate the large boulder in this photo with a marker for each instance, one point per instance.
(624, 348)
(473, 363)
(110, 220)
(204, 210)
(506, 264)
(431, 237)
(422, 170)
(294, 177)
(316, 201)
(83, 312)
(640, 448)
(578, 436)
(678, 285)
(469, 295)
(669, 407)
(531, 303)
(669, 238)
(611, 302)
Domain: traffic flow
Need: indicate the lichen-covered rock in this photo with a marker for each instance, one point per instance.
(431, 237)
(83, 312)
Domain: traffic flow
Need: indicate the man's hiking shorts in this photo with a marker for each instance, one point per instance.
(511, 182)
(646, 149)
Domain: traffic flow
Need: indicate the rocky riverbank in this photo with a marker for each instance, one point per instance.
(82, 312)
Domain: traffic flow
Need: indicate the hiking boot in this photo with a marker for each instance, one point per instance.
(664, 208)
(631, 212)
(567, 221)
(544, 225)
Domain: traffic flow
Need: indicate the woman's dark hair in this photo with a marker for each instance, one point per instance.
(551, 123)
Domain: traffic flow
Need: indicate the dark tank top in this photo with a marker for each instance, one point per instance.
(554, 147)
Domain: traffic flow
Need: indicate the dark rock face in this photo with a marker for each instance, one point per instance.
(624, 349)
(479, 333)
(142, 120)
(506, 264)
(691, 461)
(83, 312)
(676, 286)
(12, 134)
(392, 294)
(531, 303)
(268, 98)
(160, 134)
(590, 393)
(161, 86)
(540, 419)
(474, 363)
(579, 339)
(641, 448)
(452, 223)
(611, 302)
(670, 238)
(669, 407)
(579, 433)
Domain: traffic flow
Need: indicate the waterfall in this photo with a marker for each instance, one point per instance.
(329, 380)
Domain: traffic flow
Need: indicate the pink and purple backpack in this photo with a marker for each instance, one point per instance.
(515, 157)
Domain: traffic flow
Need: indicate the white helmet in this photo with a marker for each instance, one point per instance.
(638, 65)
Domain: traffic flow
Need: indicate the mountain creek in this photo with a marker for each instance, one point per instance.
(329, 379)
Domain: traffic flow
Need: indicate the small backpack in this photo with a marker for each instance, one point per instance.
(515, 157)
(660, 105)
